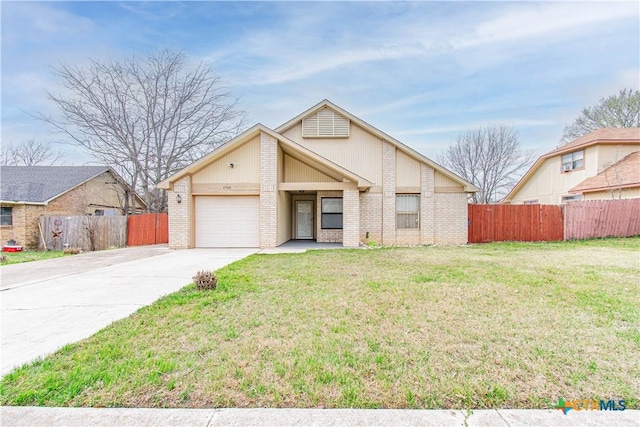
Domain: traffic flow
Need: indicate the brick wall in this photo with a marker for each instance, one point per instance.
(371, 216)
(180, 224)
(388, 193)
(327, 236)
(427, 205)
(451, 214)
(25, 218)
(351, 218)
(268, 191)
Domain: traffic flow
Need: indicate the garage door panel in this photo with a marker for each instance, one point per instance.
(227, 222)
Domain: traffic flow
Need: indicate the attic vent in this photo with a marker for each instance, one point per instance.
(325, 123)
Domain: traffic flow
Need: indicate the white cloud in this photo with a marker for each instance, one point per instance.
(462, 127)
(546, 19)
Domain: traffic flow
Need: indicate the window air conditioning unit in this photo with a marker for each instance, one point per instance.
(566, 168)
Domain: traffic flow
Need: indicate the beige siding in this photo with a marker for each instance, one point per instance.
(444, 184)
(627, 193)
(296, 171)
(284, 217)
(407, 170)
(549, 183)
(103, 192)
(247, 166)
(361, 153)
(610, 154)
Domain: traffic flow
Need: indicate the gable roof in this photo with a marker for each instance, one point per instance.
(289, 146)
(468, 187)
(600, 136)
(622, 174)
(41, 184)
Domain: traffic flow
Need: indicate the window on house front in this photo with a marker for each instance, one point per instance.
(530, 202)
(331, 217)
(6, 216)
(325, 123)
(407, 211)
(573, 160)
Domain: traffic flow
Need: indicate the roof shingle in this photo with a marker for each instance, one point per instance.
(622, 174)
(38, 184)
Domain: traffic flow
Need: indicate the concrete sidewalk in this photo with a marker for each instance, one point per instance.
(47, 304)
(37, 416)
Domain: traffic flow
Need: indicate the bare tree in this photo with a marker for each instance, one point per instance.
(616, 111)
(147, 117)
(31, 153)
(490, 158)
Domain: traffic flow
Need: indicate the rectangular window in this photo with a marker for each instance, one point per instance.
(571, 198)
(331, 217)
(6, 216)
(407, 211)
(573, 161)
(530, 202)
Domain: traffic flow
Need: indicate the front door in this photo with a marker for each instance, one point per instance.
(304, 219)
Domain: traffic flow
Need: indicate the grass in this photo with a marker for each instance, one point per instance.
(510, 325)
(28, 256)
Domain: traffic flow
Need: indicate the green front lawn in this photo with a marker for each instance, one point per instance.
(27, 256)
(511, 325)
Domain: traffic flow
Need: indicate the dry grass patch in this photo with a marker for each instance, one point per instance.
(486, 326)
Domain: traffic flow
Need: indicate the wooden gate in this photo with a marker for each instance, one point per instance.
(524, 223)
(148, 229)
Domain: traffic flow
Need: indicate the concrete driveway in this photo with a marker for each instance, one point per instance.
(47, 304)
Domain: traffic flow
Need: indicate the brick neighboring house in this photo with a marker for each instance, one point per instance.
(325, 175)
(27, 192)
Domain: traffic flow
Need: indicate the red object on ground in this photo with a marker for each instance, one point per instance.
(11, 248)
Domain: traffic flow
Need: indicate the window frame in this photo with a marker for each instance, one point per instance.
(324, 214)
(4, 215)
(405, 214)
(571, 198)
(571, 161)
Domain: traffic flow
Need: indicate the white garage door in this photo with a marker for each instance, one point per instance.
(227, 222)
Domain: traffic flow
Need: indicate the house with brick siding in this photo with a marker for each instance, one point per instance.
(28, 192)
(324, 175)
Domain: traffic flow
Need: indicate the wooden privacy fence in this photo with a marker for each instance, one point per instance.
(602, 218)
(148, 229)
(529, 223)
(84, 232)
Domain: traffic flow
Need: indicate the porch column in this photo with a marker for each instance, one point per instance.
(268, 191)
(181, 215)
(388, 193)
(427, 205)
(351, 218)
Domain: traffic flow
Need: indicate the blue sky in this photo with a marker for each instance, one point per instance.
(423, 72)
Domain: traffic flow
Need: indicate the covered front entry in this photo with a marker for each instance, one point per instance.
(227, 222)
(304, 219)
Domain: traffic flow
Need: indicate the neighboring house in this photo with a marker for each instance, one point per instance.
(594, 166)
(27, 192)
(325, 175)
